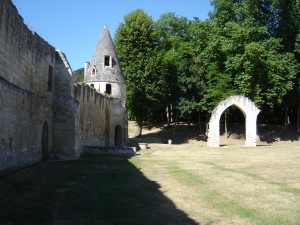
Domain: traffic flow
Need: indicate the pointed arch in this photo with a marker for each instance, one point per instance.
(247, 107)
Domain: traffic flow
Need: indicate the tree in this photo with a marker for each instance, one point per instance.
(183, 80)
(263, 73)
(79, 75)
(255, 48)
(136, 44)
(173, 40)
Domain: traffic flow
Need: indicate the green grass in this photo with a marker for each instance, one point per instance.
(95, 190)
(251, 186)
(217, 201)
(167, 184)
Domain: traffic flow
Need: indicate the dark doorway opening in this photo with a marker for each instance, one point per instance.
(107, 126)
(45, 142)
(108, 89)
(118, 136)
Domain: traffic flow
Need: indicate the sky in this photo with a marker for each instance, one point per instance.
(75, 26)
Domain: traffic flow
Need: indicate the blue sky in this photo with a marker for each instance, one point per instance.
(74, 26)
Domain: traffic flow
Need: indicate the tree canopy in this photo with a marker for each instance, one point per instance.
(247, 47)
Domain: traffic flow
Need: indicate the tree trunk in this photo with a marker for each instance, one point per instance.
(139, 127)
(189, 120)
(176, 123)
(298, 122)
(287, 118)
(226, 133)
(169, 114)
(200, 128)
(177, 118)
(206, 125)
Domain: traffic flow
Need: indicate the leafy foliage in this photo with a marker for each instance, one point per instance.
(245, 47)
(136, 44)
(79, 75)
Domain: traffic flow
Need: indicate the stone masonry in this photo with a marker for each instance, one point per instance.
(250, 112)
(42, 112)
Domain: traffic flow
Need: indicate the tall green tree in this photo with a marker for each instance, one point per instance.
(182, 77)
(172, 32)
(136, 44)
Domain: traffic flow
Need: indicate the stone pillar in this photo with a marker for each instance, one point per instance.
(251, 134)
(213, 139)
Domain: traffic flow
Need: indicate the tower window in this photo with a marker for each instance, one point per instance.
(94, 71)
(108, 89)
(50, 71)
(106, 60)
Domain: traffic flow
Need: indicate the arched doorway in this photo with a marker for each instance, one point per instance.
(232, 126)
(118, 136)
(107, 126)
(247, 107)
(45, 142)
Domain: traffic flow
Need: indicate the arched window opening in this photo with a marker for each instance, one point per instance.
(108, 89)
(94, 70)
(107, 60)
(118, 136)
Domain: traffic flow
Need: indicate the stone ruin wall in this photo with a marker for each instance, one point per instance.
(85, 118)
(25, 103)
(64, 109)
(76, 116)
(97, 118)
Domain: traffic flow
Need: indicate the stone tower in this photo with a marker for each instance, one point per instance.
(104, 72)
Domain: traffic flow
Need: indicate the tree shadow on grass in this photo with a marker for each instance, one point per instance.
(106, 190)
(183, 134)
(275, 133)
(180, 134)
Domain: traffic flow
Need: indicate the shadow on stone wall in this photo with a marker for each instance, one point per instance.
(95, 190)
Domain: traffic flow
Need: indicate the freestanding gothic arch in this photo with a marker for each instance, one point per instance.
(250, 112)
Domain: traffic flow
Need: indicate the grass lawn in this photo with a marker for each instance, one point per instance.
(166, 184)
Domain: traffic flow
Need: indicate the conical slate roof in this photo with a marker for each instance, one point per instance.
(103, 73)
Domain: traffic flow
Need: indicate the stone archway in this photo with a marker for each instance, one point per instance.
(118, 136)
(45, 142)
(250, 112)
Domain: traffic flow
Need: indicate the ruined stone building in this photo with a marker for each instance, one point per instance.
(42, 112)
